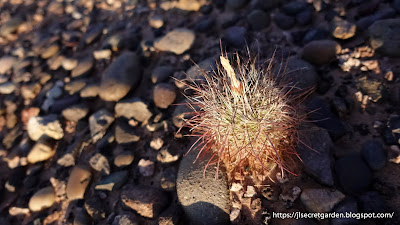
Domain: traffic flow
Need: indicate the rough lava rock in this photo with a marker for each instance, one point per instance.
(205, 200)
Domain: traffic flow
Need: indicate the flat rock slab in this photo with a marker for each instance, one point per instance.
(177, 41)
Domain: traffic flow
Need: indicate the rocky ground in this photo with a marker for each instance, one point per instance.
(90, 112)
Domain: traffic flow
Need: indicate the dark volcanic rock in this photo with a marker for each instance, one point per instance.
(384, 37)
(235, 36)
(323, 117)
(374, 154)
(315, 151)
(353, 173)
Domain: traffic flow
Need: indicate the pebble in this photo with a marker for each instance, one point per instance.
(42, 199)
(30, 91)
(176, 41)
(197, 71)
(125, 219)
(284, 21)
(99, 163)
(125, 134)
(168, 179)
(81, 217)
(84, 66)
(313, 34)
(166, 156)
(75, 112)
(366, 22)
(56, 91)
(7, 88)
(345, 206)
(374, 154)
(343, 29)
(305, 17)
(315, 152)
(156, 21)
(372, 87)
(293, 8)
(95, 208)
(99, 123)
(171, 216)
(161, 74)
(77, 183)
(147, 201)
(236, 4)
(204, 24)
(45, 125)
(113, 181)
(74, 86)
(90, 91)
(384, 38)
(69, 63)
(146, 167)
(93, 32)
(372, 202)
(43, 150)
(250, 192)
(203, 197)
(102, 54)
(322, 116)
(156, 143)
(258, 19)
(235, 36)
(63, 103)
(299, 72)
(123, 159)
(320, 200)
(164, 95)
(181, 114)
(133, 108)
(6, 63)
(11, 26)
(353, 173)
(122, 75)
(50, 51)
(321, 51)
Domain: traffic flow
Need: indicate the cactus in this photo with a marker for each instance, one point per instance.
(246, 116)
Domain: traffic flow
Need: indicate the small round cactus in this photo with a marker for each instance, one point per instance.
(246, 116)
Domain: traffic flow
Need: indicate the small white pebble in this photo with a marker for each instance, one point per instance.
(236, 187)
(156, 143)
(251, 192)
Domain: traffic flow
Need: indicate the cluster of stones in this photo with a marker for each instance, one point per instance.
(89, 111)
